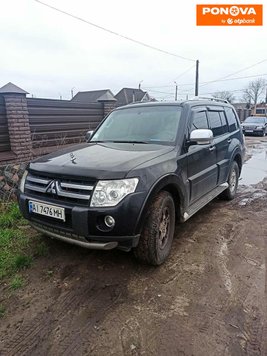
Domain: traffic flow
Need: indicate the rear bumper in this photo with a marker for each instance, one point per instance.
(83, 226)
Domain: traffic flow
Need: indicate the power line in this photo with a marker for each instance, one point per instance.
(179, 76)
(162, 86)
(229, 91)
(187, 70)
(239, 71)
(229, 79)
(161, 92)
(220, 80)
(114, 33)
(214, 91)
(236, 78)
(224, 80)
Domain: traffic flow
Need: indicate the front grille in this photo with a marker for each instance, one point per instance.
(250, 127)
(60, 189)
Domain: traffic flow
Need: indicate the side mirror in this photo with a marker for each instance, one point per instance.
(88, 135)
(201, 137)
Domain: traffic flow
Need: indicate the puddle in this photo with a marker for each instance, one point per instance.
(255, 169)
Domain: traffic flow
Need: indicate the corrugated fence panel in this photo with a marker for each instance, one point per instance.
(59, 122)
(4, 137)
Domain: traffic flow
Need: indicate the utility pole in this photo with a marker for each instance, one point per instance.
(176, 91)
(197, 78)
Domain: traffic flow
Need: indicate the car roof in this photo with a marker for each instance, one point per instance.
(191, 103)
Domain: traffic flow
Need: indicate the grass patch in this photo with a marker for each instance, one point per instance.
(8, 214)
(42, 249)
(2, 310)
(22, 261)
(17, 282)
(17, 247)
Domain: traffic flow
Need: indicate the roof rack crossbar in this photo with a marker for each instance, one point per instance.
(211, 98)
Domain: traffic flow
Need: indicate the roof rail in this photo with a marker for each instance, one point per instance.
(211, 98)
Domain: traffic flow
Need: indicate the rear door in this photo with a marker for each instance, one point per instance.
(202, 170)
(219, 127)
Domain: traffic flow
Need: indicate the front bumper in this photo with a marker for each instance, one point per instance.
(253, 131)
(84, 225)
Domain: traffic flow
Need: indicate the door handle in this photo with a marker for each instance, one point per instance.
(229, 140)
(211, 148)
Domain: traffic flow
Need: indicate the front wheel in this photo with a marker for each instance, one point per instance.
(230, 192)
(157, 234)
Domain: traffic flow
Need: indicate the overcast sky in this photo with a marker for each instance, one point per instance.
(48, 53)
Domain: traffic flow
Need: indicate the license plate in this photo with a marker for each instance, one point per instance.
(248, 130)
(52, 211)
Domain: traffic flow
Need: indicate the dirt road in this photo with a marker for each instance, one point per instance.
(208, 299)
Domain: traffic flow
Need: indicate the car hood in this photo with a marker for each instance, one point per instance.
(251, 124)
(98, 160)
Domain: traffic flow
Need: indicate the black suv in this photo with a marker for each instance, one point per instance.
(146, 167)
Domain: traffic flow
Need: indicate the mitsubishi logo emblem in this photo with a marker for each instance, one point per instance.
(52, 188)
(73, 158)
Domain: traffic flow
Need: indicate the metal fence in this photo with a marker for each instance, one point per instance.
(60, 122)
(4, 136)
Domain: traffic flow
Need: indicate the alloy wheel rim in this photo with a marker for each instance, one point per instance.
(232, 182)
(164, 228)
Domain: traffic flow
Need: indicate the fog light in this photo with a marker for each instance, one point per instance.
(109, 221)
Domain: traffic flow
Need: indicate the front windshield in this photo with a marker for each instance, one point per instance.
(255, 120)
(151, 124)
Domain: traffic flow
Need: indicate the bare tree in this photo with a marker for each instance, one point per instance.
(253, 91)
(225, 95)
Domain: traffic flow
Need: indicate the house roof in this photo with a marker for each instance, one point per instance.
(125, 95)
(11, 88)
(108, 96)
(94, 96)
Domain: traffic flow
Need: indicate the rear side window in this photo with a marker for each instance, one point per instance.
(232, 120)
(200, 120)
(217, 123)
(223, 121)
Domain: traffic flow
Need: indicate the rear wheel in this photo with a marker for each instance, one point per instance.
(230, 192)
(157, 234)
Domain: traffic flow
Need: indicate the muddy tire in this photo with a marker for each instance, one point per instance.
(230, 192)
(157, 234)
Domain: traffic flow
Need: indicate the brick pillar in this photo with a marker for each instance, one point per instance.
(18, 121)
(108, 101)
(108, 106)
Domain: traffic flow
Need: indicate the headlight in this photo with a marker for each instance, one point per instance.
(259, 128)
(111, 192)
(22, 181)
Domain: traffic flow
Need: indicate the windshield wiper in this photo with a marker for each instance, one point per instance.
(100, 141)
(116, 141)
(129, 141)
